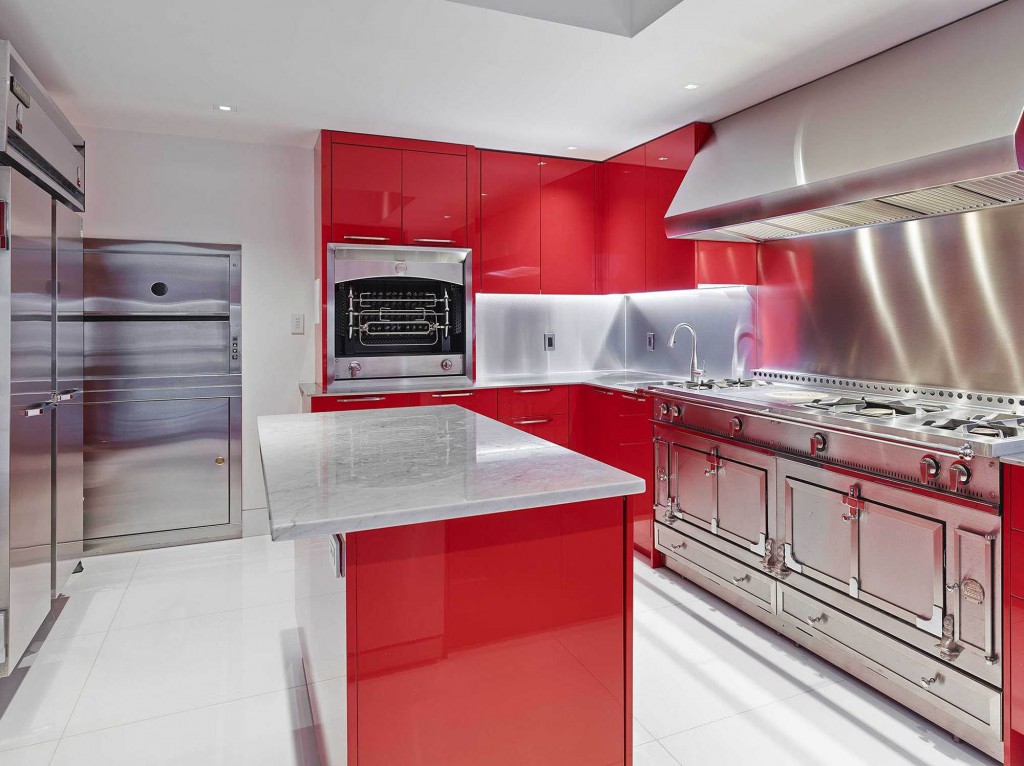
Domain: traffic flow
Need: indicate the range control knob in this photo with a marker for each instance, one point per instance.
(674, 411)
(446, 364)
(818, 444)
(735, 426)
(663, 410)
(959, 475)
(930, 468)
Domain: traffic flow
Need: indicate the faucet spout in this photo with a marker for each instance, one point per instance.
(695, 371)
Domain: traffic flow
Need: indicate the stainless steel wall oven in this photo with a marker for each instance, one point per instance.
(399, 312)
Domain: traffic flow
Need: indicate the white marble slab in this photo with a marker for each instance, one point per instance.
(340, 472)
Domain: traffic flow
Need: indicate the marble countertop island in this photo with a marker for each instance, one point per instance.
(340, 472)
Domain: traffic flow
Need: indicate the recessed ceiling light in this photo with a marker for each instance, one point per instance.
(225, 108)
(691, 86)
(572, 148)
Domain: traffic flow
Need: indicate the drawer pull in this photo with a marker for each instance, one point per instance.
(368, 239)
(928, 682)
(429, 241)
(531, 390)
(740, 579)
(451, 396)
(676, 546)
(813, 621)
(532, 422)
(634, 398)
(363, 399)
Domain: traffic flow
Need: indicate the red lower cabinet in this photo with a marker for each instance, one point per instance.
(501, 640)
(532, 401)
(554, 428)
(482, 401)
(345, 402)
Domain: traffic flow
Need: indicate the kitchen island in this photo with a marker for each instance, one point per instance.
(471, 582)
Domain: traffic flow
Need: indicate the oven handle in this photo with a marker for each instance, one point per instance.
(531, 422)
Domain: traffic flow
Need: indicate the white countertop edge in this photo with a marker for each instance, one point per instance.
(429, 514)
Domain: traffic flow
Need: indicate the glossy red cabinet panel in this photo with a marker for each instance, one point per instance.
(531, 401)
(366, 195)
(1015, 618)
(510, 222)
(622, 256)
(482, 401)
(726, 263)
(502, 639)
(670, 263)
(554, 428)
(677, 149)
(434, 194)
(344, 402)
(568, 226)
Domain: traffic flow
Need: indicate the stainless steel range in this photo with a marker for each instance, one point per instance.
(859, 518)
(399, 312)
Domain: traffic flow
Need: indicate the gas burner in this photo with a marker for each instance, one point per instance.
(1000, 426)
(711, 384)
(872, 408)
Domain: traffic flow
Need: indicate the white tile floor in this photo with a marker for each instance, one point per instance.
(189, 656)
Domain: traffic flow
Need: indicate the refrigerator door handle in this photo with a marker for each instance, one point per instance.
(40, 408)
(67, 394)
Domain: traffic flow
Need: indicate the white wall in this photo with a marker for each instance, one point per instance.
(142, 185)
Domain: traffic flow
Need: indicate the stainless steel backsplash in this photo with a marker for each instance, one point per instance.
(589, 333)
(934, 302)
(724, 321)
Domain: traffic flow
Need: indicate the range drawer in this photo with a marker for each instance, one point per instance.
(347, 402)
(532, 401)
(484, 402)
(976, 702)
(554, 428)
(716, 566)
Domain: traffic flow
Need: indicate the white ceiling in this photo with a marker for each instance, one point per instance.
(439, 70)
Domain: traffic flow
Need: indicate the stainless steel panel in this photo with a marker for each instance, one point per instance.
(31, 287)
(157, 465)
(694, 489)
(69, 489)
(122, 279)
(975, 594)
(589, 333)
(722, 317)
(156, 348)
(743, 501)
(932, 303)
(400, 366)
(819, 540)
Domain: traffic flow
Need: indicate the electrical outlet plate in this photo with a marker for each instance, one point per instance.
(549, 341)
(298, 324)
(650, 341)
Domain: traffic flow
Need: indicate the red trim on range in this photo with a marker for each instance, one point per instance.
(502, 639)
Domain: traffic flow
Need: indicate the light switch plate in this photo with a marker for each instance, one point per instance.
(298, 324)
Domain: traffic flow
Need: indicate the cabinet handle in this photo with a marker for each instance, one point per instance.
(531, 390)
(369, 239)
(426, 241)
(927, 682)
(451, 396)
(363, 399)
(534, 421)
(741, 578)
(815, 620)
(634, 398)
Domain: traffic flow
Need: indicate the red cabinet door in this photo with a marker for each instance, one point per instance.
(484, 402)
(622, 261)
(434, 196)
(554, 428)
(726, 263)
(345, 402)
(568, 247)
(366, 195)
(671, 263)
(510, 222)
(533, 401)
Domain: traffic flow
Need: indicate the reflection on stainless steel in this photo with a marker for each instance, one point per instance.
(843, 151)
(695, 370)
(162, 407)
(856, 563)
(510, 333)
(399, 311)
(930, 302)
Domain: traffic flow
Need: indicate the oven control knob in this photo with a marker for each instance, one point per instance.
(674, 411)
(446, 364)
(735, 426)
(959, 475)
(354, 369)
(818, 444)
(663, 410)
(930, 468)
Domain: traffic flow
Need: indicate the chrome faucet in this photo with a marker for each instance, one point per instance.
(695, 371)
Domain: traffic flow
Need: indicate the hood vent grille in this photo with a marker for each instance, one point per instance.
(1005, 188)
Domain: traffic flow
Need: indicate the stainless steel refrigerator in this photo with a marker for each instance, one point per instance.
(41, 354)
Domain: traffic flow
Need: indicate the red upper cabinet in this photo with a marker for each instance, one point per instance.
(510, 222)
(434, 195)
(568, 222)
(622, 260)
(726, 263)
(366, 195)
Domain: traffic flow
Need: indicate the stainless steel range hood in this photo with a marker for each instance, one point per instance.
(927, 128)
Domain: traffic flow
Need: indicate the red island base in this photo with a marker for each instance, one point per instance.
(503, 640)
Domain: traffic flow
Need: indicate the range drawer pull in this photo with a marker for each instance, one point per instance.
(813, 621)
(532, 421)
(350, 400)
(531, 390)
(928, 682)
(368, 239)
(741, 578)
(451, 396)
